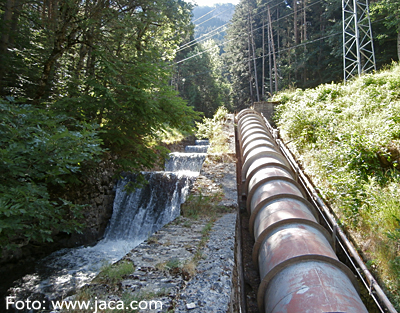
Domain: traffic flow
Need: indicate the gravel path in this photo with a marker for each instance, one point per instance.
(210, 290)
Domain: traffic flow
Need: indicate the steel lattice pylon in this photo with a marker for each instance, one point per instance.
(358, 47)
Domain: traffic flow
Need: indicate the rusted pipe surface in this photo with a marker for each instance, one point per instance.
(270, 187)
(260, 155)
(281, 208)
(312, 286)
(286, 229)
(288, 239)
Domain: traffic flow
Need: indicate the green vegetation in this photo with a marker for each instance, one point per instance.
(307, 39)
(211, 128)
(388, 12)
(348, 139)
(40, 151)
(199, 77)
(113, 273)
(200, 205)
(82, 79)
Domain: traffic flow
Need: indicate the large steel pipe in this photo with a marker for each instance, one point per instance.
(258, 142)
(299, 270)
(313, 285)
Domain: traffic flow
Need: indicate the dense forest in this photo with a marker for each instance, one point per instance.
(79, 80)
(296, 44)
(83, 79)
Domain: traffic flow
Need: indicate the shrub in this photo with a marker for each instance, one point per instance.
(211, 128)
(39, 151)
(347, 137)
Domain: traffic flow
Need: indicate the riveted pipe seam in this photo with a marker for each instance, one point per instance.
(281, 197)
(256, 188)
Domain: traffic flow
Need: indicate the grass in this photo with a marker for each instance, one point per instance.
(113, 273)
(170, 135)
(110, 277)
(348, 139)
(200, 205)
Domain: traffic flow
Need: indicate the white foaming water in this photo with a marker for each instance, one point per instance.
(136, 215)
(181, 161)
(202, 142)
(196, 149)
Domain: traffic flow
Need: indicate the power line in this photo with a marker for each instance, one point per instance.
(199, 40)
(213, 17)
(195, 55)
(204, 15)
(186, 44)
(246, 33)
(195, 41)
(281, 50)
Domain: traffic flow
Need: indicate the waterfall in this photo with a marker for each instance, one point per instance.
(136, 215)
(203, 142)
(185, 162)
(196, 149)
(147, 209)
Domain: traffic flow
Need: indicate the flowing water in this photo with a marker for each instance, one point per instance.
(196, 149)
(136, 215)
(185, 162)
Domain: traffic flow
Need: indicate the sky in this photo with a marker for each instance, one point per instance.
(211, 3)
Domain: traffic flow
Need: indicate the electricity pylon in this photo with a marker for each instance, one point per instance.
(358, 47)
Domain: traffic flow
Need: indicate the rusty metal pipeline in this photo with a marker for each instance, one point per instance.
(298, 267)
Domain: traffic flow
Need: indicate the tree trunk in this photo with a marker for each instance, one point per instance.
(263, 61)
(398, 44)
(47, 67)
(249, 61)
(296, 32)
(4, 39)
(305, 39)
(14, 21)
(7, 16)
(273, 50)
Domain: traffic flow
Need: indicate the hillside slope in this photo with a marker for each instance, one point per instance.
(347, 137)
(207, 19)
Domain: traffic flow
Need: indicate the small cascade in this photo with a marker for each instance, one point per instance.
(180, 161)
(202, 142)
(147, 209)
(196, 149)
(136, 215)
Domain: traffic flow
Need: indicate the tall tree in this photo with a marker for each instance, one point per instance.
(389, 12)
(200, 78)
(238, 55)
(101, 61)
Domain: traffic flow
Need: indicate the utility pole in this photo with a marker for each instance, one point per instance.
(250, 74)
(254, 57)
(305, 39)
(269, 62)
(358, 47)
(273, 49)
(263, 61)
